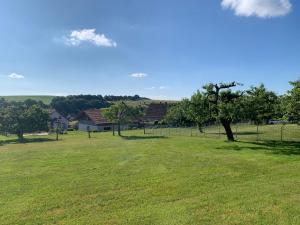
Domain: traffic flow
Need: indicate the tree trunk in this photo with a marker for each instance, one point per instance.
(20, 136)
(119, 128)
(113, 129)
(227, 127)
(200, 127)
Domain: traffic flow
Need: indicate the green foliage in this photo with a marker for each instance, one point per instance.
(199, 109)
(121, 113)
(178, 114)
(261, 104)
(114, 98)
(294, 101)
(223, 104)
(20, 117)
(73, 104)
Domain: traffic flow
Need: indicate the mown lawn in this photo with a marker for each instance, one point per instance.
(141, 179)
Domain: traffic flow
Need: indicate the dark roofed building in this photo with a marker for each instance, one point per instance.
(156, 112)
(93, 120)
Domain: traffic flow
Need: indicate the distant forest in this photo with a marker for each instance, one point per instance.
(73, 104)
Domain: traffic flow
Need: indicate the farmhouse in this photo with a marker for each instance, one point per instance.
(156, 112)
(57, 119)
(93, 120)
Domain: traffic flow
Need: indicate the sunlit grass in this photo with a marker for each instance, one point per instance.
(148, 179)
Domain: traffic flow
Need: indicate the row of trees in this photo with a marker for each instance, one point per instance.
(73, 104)
(219, 102)
(21, 117)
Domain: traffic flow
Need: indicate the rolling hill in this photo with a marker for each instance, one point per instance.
(19, 98)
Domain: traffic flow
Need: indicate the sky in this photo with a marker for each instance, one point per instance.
(157, 49)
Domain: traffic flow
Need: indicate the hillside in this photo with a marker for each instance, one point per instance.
(44, 98)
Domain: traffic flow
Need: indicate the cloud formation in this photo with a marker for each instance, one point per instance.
(163, 87)
(158, 88)
(15, 76)
(138, 75)
(76, 37)
(259, 8)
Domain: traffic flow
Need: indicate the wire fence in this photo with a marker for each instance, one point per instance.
(241, 131)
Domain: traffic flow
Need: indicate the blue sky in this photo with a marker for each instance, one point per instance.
(158, 49)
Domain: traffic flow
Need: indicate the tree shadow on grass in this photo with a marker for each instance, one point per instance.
(25, 141)
(274, 147)
(238, 133)
(142, 137)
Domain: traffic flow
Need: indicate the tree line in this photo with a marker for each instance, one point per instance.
(34, 116)
(73, 104)
(215, 102)
(220, 102)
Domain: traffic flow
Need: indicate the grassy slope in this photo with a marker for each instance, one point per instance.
(44, 98)
(147, 180)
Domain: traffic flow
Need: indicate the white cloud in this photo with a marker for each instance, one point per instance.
(150, 88)
(163, 87)
(138, 75)
(76, 37)
(16, 76)
(259, 8)
(158, 88)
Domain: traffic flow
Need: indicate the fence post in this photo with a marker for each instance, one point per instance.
(56, 134)
(281, 133)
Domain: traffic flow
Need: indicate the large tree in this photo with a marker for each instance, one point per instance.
(122, 113)
(261, 104)
(223, 104)
(18, 118)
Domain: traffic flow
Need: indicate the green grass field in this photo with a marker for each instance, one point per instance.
(145, 179)
(19, 98)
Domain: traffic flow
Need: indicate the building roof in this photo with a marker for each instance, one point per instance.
(156, 111)
(94, 115)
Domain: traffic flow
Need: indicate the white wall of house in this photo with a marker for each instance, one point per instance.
(82, 126)
(54, 115)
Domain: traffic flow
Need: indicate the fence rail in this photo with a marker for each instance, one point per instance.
(276, 132)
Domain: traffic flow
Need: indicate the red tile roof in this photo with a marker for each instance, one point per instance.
(95, 115)
(156, 111)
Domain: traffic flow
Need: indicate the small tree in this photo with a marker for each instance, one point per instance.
(121, 113)
(198, 110)
(223, 104)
